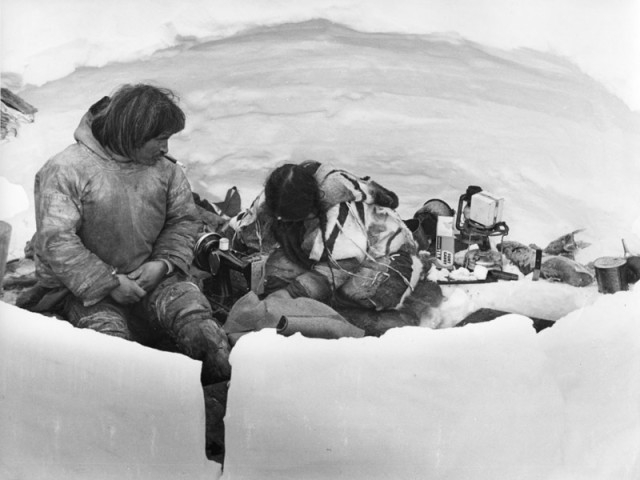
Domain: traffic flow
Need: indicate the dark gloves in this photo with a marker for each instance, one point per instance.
(633, 269)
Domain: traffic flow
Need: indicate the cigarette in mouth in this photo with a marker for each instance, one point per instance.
(173, 160)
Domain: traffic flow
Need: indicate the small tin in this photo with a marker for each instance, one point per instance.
(611, 274)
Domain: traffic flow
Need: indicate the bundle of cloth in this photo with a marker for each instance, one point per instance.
(559, 263)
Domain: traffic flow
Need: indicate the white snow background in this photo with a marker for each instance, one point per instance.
(535, 102)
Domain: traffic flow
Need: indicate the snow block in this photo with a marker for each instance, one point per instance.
(595, 352)
(76, 404)
(474, 402)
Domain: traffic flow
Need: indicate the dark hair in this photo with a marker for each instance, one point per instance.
(134, 115)
(292, 195)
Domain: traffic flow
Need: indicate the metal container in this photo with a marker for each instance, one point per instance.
(611, 274)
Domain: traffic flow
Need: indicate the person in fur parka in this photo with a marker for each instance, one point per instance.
(116, 225)
(337, 238)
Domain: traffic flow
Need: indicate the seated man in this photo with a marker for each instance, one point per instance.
(116, 226)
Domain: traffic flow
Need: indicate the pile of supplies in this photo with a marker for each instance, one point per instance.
(467, 245)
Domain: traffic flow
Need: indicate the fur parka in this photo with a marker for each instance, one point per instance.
(98, 216)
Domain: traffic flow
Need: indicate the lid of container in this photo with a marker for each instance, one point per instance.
(609, 262)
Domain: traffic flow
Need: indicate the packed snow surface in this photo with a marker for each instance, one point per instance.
(485, 401)
(77, 404)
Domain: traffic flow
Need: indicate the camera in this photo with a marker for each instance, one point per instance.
(230, 273)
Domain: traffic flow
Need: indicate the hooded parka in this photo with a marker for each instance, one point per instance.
(98, 215)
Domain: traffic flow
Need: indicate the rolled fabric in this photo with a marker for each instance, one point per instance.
(250, 314)
(317, 327)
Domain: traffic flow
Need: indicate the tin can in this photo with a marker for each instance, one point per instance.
(611, 274)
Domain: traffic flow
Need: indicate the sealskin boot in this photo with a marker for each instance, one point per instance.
(215, 402)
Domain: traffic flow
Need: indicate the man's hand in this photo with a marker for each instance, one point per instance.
(148, 275)
(127, 292)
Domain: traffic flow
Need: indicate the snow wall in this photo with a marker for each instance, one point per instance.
(425, 115)
(486, 401)
(76, 404)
